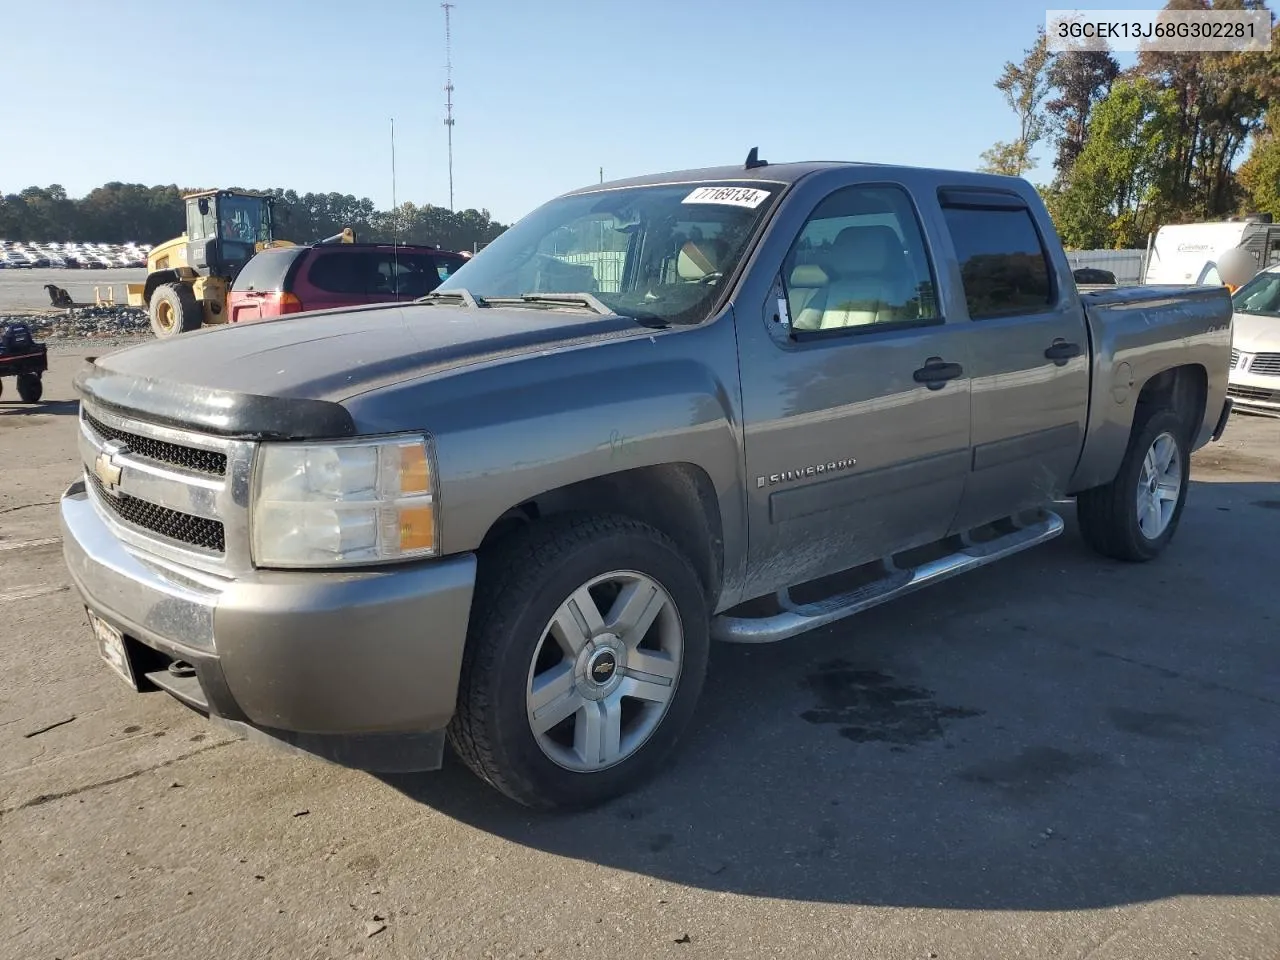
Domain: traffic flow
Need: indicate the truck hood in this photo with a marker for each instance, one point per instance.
(286, 378)
(1253, 333)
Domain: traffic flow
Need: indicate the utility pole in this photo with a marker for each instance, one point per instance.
(448, 92)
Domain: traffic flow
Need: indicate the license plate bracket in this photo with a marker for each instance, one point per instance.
(112, 648)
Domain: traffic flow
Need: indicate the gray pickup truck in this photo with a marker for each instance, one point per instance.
(736, 404)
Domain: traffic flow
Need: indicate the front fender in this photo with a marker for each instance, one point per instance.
(508, 431)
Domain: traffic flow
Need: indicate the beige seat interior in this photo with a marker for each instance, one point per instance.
(698, 259)
(870, 281)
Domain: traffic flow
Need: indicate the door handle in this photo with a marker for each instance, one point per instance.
(1061, 351)
(936, 372)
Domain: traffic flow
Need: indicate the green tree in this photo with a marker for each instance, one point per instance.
(1081, 78)
(1259, 176)
(1220, 100)
(118, 212)
(1112, 197)
(1025, 86)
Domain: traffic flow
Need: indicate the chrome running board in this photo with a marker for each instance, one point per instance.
(797, 618)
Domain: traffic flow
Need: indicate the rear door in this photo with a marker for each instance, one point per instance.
(1028, 355)
(334, 277)
(856, 412)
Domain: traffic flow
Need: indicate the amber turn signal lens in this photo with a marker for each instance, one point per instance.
(414, 473)
(417, 528)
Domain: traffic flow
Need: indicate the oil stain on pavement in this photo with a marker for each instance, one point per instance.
(870, 706)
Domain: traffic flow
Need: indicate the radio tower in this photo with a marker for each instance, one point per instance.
(448, 93)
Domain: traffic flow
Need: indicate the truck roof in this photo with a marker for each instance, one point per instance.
(789, 173)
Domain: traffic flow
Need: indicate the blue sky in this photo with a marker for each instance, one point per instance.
(299, 93)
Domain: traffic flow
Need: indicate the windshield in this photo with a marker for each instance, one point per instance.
(1261, 295)
(659, 252)
(246, 219)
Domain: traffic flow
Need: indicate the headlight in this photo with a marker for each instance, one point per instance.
(343, 504)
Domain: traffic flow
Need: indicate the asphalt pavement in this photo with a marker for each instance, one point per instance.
(22, 290)
(1055, 757)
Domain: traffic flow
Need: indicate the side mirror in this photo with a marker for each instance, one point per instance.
(203, 206)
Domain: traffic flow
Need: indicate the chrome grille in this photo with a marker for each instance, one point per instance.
(161, 451)
(198, 532)
(1266, 364)
(179, 495)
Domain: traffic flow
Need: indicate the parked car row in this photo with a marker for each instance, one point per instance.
(72, 256)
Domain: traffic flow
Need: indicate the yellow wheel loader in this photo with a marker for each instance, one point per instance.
(188, 277)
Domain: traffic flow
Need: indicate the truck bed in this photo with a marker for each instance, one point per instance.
(1136, 332)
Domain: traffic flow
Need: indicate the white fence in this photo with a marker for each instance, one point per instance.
(606, 266)
(1125, 264)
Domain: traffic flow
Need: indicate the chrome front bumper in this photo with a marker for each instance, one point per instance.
(325, 654)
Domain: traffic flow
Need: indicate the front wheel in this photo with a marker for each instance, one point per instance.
(174, 309)
(585, 661)
(1135, 515)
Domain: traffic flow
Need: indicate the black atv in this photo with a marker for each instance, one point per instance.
(22, 357)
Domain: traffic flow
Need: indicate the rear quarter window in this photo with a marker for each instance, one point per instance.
(266, 271)
(1003, 265)
(336, 271)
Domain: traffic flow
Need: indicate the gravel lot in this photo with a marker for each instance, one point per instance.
(1055, 757)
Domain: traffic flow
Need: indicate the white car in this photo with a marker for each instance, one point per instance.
(1254, 380)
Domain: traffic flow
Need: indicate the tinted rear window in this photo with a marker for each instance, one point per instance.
(267, 270)
(339, 271)
(1002, 263)
(404, 274)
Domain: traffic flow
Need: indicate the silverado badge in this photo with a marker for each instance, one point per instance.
(812, 470)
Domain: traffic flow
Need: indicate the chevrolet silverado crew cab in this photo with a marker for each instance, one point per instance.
(733, 404)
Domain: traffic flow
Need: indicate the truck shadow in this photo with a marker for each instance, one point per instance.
(14, 408)
(1053, 732)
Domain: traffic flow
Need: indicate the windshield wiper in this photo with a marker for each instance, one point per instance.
(581, 299)
(588, 300)
(457, 293)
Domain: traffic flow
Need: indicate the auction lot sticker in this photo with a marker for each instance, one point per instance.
(748, 197)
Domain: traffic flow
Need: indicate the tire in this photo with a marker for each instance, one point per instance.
(30, 387)
(174, 309)
(1109, 516)
(529, 579)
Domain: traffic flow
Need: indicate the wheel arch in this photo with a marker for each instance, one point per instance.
(678, 499)
(158, 279)
(1184, 389)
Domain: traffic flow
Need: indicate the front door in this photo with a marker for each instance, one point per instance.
(1029, 356)
(856, 398)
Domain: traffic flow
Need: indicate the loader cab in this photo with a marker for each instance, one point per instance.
(225, 229)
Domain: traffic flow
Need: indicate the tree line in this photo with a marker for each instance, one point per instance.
(124, 212)
(1176, 138)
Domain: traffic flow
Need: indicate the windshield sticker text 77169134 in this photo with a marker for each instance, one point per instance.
(748, 197)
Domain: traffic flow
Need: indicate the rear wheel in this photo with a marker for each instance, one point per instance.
(1135, 515)
(174, 309)
(30, 387)
(584, 663)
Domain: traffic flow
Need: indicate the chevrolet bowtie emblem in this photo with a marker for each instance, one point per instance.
(106, 469)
